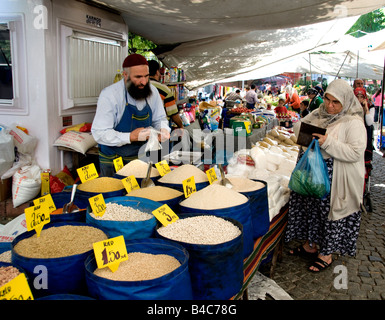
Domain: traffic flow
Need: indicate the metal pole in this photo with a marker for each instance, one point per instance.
(341, 65)
(382, 105)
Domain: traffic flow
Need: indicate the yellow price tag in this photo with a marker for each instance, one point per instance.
(211, 175)
(110, 253)
(98, 205)
(165, 215)
(47, 200)
(118, 163)
(87, 173)
(189, 186)
(130, 183)
(163, 167)
(16, 289)
(37, 217)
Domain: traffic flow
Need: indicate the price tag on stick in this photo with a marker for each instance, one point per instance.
(165, 215)
(110, 253)
(130, 183)
(211, 175)
(16, 289)
(189, 186)
(118, 163)
(47, 199)
(87, 173)
(37, 217)
(98, 205)
(163, 167)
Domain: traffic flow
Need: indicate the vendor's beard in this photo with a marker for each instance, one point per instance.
(138, 93)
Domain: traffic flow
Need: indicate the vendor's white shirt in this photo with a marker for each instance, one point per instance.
(110, 109)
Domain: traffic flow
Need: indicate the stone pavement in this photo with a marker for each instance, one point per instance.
(349, 278)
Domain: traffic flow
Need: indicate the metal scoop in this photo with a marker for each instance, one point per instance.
(70, 206)
(147, 182)
(224, 181)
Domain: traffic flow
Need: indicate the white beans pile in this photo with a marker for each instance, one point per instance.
(7, 274)
(138, 169)
(118, 212)
(141, 266)
(201, 230)
(184, 172)
(213, 197)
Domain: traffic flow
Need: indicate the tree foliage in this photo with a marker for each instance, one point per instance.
(367, 23)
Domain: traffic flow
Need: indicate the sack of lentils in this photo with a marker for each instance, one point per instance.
(54, 261)
(108, 187)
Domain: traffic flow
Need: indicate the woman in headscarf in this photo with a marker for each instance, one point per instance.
(332, 224)
(292, 98)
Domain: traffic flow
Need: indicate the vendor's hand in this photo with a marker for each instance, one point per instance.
(140, 134)
(164, 135)
(321, 138)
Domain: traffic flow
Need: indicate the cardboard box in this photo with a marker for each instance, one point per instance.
(5, 189)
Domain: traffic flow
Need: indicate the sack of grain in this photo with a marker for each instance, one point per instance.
(222, 202)
(107, 186)
(175, 285)
(58, 254)
(215, 252)
(138, 169)
(128, 216)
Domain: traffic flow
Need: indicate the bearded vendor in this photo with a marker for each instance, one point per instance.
(124, 113)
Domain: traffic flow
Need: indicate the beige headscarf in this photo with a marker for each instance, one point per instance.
(344, 93)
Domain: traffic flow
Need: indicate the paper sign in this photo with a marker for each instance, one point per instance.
(16, 289)
(162, 167)
(110, 253)
(98, 205)
(130, 183)
(165, 215)
(37, 217)
(189, 186)
(118, 163)
(211, 175)
(47, 199)
(87, 173)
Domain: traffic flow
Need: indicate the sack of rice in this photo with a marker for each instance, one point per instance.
(107, 186)
(138, 169)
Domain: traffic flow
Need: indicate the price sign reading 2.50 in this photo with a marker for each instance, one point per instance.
(110, 253)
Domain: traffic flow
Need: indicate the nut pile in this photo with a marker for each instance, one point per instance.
(63, 241)
(141, 266)
(208, 230)
(7, 274)
(118, 212)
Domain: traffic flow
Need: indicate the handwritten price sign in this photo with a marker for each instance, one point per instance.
(37, 217)
(189, 186)
(16, 289)
(110, 253)
(87, 173)
(211, 175)
(98, 205)
(163, 167)
(165, 215)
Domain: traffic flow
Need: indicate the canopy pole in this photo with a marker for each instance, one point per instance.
(358, 58)
(382, 105)
(311, 83)
(342, 65)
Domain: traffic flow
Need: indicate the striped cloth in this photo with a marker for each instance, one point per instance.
(262, 247)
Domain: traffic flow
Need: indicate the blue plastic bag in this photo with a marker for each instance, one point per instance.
(310, 176)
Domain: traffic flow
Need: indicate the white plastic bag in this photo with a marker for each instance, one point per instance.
(24, 143)
(26, 184)
(7, 151)
(12, 229)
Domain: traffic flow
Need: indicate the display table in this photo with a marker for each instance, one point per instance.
(263, 246)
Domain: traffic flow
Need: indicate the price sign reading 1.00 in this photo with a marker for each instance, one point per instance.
(110, 253)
